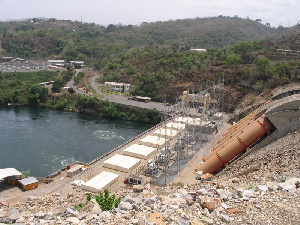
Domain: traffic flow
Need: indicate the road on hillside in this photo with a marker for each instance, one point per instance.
(124, 100)
(160, 107)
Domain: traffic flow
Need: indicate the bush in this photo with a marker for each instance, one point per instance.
(107, 202)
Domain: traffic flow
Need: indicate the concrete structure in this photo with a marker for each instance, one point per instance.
(285, 92)
(153, 141)
(122, 163)
(284, 114)
(74, 170)
(29, 183)
(139, 151)
(117, 87)
(100, 182)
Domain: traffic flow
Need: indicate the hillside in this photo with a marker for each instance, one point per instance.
(77, 41)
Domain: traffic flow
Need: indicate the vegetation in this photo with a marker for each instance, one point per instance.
(106, 201)
(153, 58)
(81, 205)
(79, 77)
(95, 43)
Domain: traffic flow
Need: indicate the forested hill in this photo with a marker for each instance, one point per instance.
(82, 41)
(214, 32)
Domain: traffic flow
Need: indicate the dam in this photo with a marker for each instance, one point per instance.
(182, 147)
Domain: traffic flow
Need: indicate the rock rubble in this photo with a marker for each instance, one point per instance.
(261, 188)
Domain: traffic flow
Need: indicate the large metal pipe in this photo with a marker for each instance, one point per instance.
(261, 126)
(225, 142)
(243, 120)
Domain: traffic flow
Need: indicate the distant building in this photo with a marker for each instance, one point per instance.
(117, 87)
(198, 50)
(56, 62)
(72, 63)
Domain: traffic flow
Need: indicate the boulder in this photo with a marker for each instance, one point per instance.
(211, 203)
(125, 206)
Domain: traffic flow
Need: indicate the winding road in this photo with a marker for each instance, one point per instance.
(117, 98)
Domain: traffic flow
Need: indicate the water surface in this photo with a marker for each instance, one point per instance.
(43, 141)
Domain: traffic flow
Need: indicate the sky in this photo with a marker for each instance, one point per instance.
(134, 12)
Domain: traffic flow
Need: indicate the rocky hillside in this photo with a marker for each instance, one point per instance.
(259, 188)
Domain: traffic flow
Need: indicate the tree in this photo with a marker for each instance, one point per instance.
(71, 90)
(262, 64)
(244, 49)
(57, 85)
(233, 60)
(37, 94)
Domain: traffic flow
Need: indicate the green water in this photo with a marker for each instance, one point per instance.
(44, 141)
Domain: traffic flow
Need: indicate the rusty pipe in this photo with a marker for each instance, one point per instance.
(240, 123)
(224, 143)
(261, 126)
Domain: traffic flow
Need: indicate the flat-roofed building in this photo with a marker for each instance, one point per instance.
(117, 87)
(29, 183)
(100, 182)
(122, 163)
(168, 133)
(59, 62)
(153, 141)
(139, 151)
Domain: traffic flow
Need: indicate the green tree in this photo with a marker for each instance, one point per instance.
(233, 60)
(262, 64)
(106, 201)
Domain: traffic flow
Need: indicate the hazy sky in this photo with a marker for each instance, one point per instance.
(104, 12)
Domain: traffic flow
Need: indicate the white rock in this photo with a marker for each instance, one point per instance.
(224, 205)
(248, 193)
(72, 211)
(201, 191)
(125, 206)
(73, 220)
(224, 194)
(263, 188)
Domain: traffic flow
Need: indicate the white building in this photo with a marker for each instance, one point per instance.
(77, 62)
(56, 62)
(101, 181)
(117, 87)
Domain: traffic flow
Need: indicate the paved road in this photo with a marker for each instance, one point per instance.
(117, 98)
(124, 100)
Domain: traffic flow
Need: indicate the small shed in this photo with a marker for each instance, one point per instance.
(29, 183)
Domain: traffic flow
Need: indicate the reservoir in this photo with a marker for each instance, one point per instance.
(43, 141)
